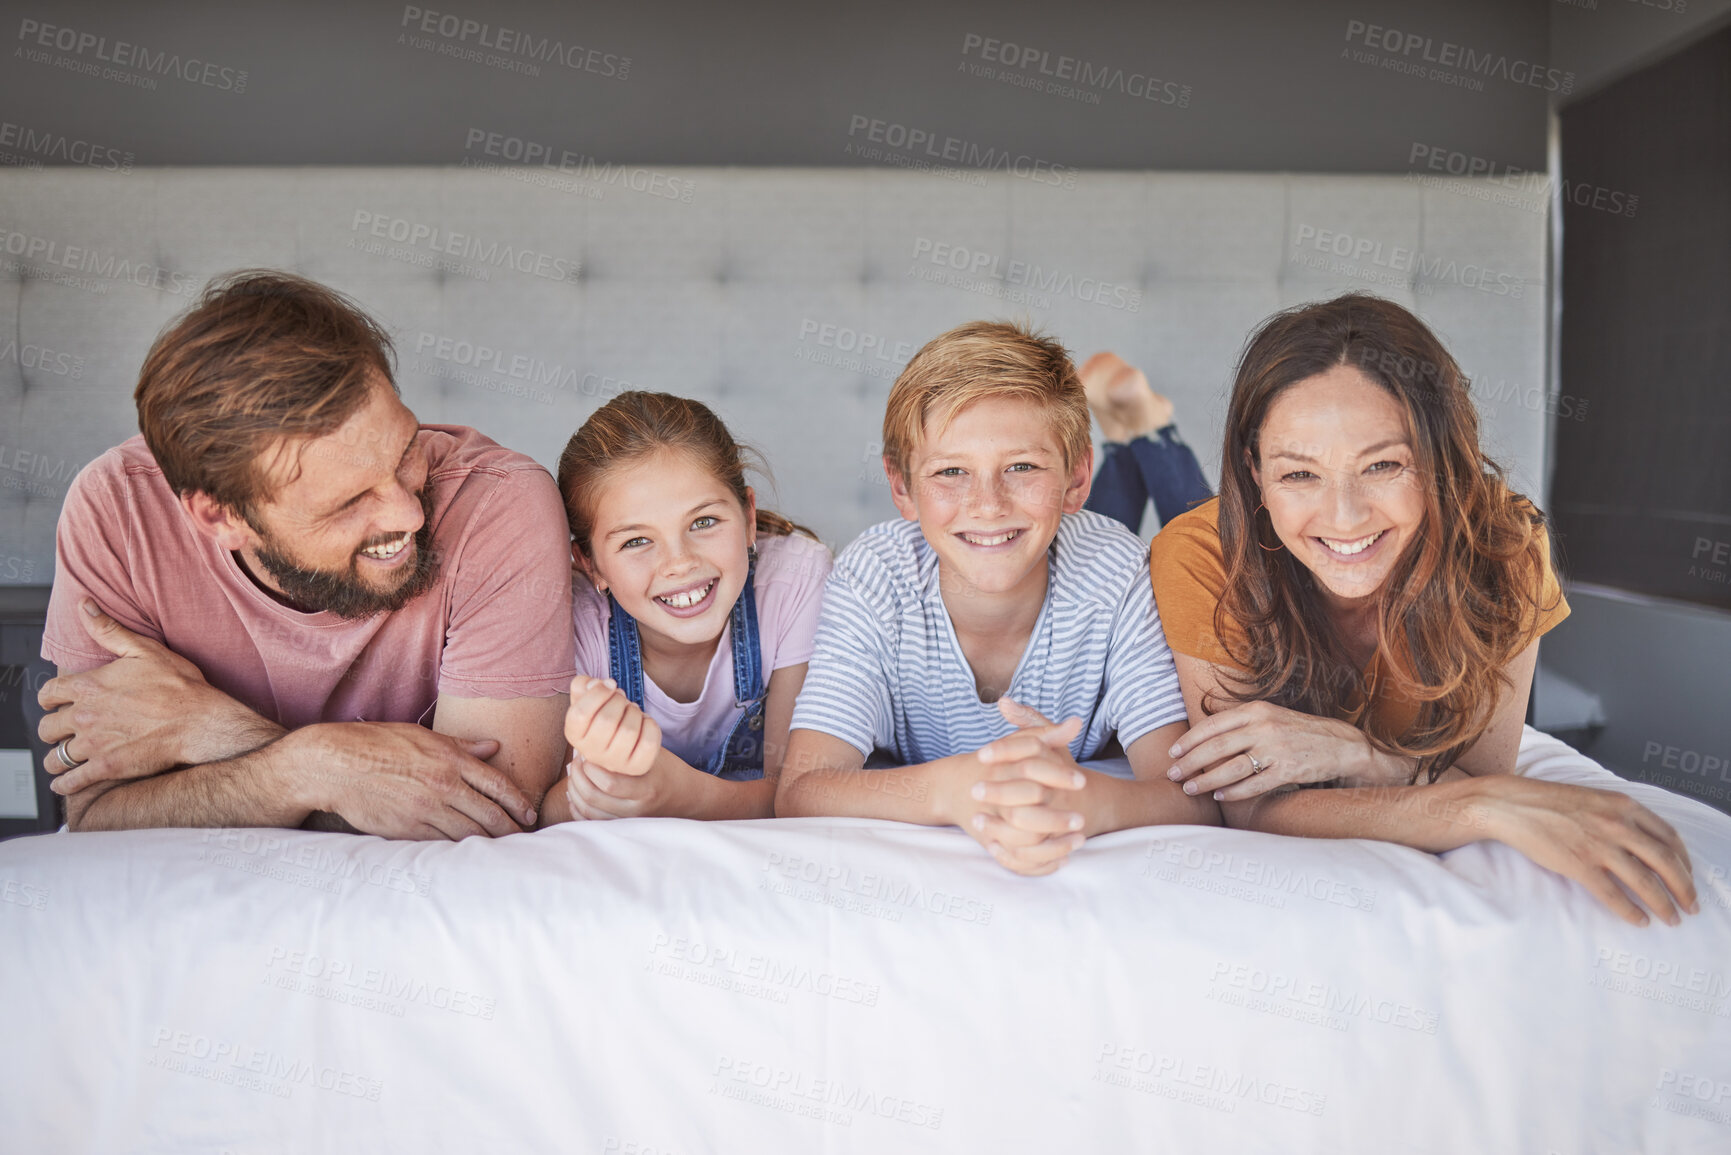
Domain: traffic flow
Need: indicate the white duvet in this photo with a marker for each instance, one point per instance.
(834, 985)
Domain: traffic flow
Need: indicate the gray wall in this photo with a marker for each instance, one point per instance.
(1660, 671)
(1263, 85)
(1602, 40)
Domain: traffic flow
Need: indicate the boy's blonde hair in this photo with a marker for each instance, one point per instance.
(978, 361)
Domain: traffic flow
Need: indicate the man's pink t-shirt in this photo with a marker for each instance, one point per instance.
(788, 582)
(495, 625)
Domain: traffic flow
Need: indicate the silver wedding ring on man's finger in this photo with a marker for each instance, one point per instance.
(1255, 766)
(64, 755)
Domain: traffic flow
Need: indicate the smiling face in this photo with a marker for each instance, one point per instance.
(1338, 476)
(347, 527)
(988, 491)
(670, 541)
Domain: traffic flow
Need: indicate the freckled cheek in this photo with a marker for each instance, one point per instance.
(1042, 496)
(938, 502)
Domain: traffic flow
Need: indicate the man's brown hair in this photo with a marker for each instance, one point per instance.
(262, 356)
(980, 360)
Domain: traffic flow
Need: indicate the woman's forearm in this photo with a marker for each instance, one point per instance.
(1433, 818)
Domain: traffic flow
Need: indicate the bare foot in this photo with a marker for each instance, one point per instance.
(1123, 402)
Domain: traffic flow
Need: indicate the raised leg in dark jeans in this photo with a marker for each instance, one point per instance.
(1158, 466)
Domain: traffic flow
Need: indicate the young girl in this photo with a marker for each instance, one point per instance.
(695, 623)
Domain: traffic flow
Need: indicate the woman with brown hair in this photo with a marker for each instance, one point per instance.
(1361, 608)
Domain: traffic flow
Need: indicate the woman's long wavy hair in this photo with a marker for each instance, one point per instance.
(637, 424)
(1462, 598)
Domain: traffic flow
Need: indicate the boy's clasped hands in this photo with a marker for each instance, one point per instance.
(1026, 803)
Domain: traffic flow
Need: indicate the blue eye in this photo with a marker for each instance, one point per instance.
(952, 471)
(1023, 467)
(705, 522)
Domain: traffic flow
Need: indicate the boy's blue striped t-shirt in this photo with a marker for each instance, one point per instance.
(888, 673)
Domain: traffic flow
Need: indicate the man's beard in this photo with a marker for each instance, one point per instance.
(342, 592)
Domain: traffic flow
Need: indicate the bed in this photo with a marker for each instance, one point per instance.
(842, 985)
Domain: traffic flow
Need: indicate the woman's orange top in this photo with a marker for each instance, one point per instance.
(1189, 574)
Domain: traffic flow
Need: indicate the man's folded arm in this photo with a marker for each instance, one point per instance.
(384, 778)
(530, 733)
(254, 788)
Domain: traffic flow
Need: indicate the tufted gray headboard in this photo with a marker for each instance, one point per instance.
(786, 298)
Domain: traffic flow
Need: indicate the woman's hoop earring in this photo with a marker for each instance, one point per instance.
(1269, 548)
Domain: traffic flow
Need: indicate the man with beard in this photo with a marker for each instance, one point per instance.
(288, 603)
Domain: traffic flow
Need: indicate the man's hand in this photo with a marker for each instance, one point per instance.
(147, 711)
(400, 780)
(604, 727)
(1027, 783)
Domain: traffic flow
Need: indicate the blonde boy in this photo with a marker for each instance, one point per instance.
(951, 637)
